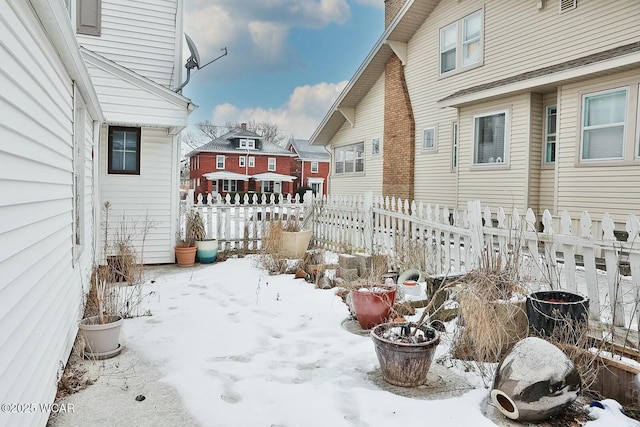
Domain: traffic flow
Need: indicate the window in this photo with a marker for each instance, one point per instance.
(271, 165)
(124, 150)
(229, 185)
(88, 17)
(429, 139)
(376, 146)
(252, 161)
(241, 161)
(454, 145)
(314, 167)
(461, 43)
(248, 143)
(220, 162)
(550, 134)
(266, 186)
(350, 158)
(603, 125)
(490, 138)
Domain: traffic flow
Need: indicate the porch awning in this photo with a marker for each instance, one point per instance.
(214, 176)
(272, 176)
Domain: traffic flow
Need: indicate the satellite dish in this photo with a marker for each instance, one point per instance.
(194, 60)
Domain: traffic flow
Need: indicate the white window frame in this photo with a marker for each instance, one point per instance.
(454, 145)
(271, 164)
(499, 161)
(252, 161)
(459, 28)
(434, 138)
(584, 128)
(376, 146)
(249, 144)
(229, 185)
(547, 135)
(241, 161)
(220, 162)
(351, 148)
(314, 167)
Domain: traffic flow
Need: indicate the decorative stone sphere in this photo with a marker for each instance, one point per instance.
(534, 381)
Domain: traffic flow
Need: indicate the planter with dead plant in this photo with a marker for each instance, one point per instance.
(185, 247)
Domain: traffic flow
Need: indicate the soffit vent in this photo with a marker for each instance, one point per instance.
(567, 5)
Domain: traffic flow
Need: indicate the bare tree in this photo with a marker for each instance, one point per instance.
(209, 129)
(269, 131)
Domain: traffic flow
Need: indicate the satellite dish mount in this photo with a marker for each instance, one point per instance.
(194, 60)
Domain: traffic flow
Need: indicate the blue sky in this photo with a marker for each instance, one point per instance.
(287, 59)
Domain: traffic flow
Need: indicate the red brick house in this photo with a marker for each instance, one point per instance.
(241, 161)
(311, 165)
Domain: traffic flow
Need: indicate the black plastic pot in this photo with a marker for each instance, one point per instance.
(560, 314)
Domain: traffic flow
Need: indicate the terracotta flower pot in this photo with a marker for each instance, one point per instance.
(405, 364)
(373, 304)
(186, 256)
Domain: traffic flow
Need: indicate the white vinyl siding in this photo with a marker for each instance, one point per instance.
(41, 285)
(140, 35)
(603, 125)
(147, 194)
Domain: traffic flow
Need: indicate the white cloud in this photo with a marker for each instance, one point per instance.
(257, 35)
(299, 117)
(374, 3)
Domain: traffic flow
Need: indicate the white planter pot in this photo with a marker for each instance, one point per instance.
(295, 243)
(101, 340)
(207, 250)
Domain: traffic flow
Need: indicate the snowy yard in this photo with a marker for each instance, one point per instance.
(243, 348)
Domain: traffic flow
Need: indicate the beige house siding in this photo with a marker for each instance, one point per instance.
(369, 124)
(536, 121)
(547, 172)
(606, 186)
(499, 185)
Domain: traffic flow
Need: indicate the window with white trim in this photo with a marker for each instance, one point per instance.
(220, 162)
(454, 145)
(271, 165)
(252, 161)
(248, 143)
(376, 146)
(241, 161)
(229, 185)
(550, 134)
(603, 124)
(490, 138)
(124, 150)
(349, 159)
(314, 167)
(461, 43)
(429, 139)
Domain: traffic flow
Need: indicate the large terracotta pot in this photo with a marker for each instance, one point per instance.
(186, 256)
(101, 339)
(534, 381)
(373, 304)
(405, 364)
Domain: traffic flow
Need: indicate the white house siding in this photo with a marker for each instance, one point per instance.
(535, 123)
(140, 35)
(369, 124)
(607, 186)
(504, 186)
(151, 194)
(572, 34)
(41, 285)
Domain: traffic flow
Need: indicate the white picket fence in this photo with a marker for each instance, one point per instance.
(449, 241)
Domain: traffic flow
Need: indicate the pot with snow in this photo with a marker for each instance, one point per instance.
(372, 304)
(534, 381)
(405, 352)
(556, 313)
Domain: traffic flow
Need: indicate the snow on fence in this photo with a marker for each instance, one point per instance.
(451, 241)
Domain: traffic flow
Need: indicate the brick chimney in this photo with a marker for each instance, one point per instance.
(243, 126)
(399, 125)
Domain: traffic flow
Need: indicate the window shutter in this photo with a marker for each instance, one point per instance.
(88, 17)
(567, 5)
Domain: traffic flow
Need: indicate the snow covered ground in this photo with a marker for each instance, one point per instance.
(243, 348)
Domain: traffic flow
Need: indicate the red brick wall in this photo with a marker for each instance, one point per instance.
(323, 172)
(391, 9)
(399, 134)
